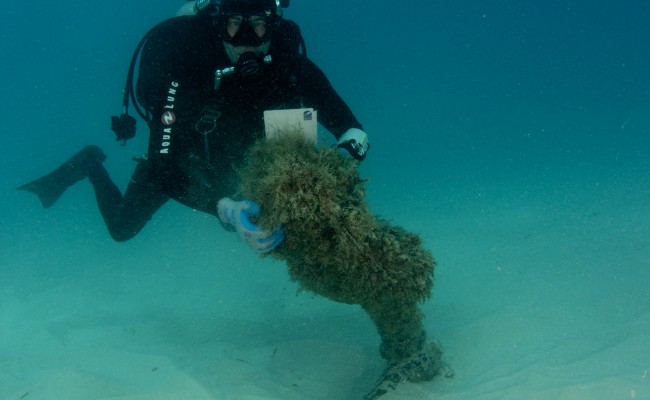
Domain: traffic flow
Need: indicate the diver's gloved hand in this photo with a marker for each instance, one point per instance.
(354, 142)
(238, 213)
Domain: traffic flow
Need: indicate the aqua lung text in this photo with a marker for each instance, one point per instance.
(168, 118)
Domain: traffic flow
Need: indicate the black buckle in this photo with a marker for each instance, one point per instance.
(124, 127)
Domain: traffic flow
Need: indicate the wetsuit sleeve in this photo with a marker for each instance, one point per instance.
(333, 113)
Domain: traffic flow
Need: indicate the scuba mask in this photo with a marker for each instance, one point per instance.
(247, 30)
(248, 22)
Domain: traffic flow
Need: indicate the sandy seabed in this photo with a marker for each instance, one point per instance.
(541, 292)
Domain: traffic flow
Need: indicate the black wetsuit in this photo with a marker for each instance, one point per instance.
(198, 134)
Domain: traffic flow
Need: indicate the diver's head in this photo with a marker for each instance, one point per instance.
(247, 23)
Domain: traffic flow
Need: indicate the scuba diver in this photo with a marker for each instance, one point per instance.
(205, 79)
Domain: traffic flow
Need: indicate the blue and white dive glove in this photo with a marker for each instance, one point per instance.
(237, 214)
(354, 142)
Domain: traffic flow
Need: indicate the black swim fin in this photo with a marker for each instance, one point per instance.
(51, 186)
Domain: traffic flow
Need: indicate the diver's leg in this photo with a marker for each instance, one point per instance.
(51, 186)
(126, 215)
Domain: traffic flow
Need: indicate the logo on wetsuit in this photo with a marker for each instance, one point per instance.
(168, 118)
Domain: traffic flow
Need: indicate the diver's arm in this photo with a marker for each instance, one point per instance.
(333, 113)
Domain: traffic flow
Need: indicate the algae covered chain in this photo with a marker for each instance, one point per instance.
(334, 246)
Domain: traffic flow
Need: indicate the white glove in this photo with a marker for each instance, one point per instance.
(354, 142)
(238, 213)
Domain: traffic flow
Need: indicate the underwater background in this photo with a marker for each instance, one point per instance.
(513, 137)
